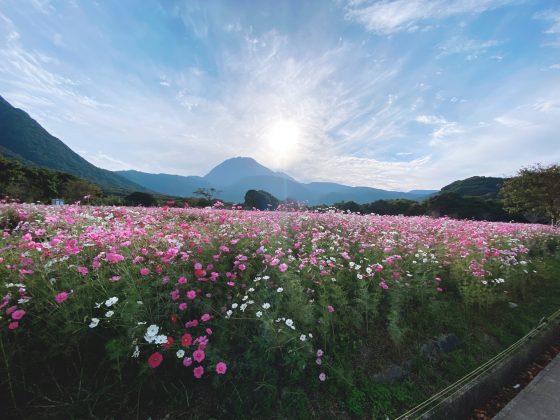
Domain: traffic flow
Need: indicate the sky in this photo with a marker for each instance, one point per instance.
(394, 94)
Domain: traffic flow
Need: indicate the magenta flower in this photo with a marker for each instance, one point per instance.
(330, 308)
(17, 315)
(198, 372)
(61, 297)
(187, 361)
(13, 325)
(191, 294)
(205, 317)
(283, 267)
(221, 368)
(144, 271)
(198, 355)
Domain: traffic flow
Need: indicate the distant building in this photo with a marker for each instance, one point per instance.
(57, 202)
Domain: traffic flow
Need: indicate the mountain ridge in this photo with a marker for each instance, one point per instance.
(24, 139)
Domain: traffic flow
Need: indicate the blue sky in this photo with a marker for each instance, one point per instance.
(397, 94)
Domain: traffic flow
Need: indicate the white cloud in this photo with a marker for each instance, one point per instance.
(430, 119)
(553, 31)
(470, 48)
(390, 16)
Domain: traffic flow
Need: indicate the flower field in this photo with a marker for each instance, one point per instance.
(107, 308)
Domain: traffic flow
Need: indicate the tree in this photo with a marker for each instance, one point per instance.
(207, 193)
(139, 198)
(261, 200)
(534, 192)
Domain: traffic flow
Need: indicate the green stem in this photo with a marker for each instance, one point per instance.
(8, 372)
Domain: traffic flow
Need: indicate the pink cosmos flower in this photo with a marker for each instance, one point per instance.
(330, 308)
(439, 289)
(383, 285)
(191, 294)
(83, 270)
(221, 368)
(115, 278)
(241, 267)
(205, 317)
(322, 377)
(113, 257)
(182, 306)
(187, 361)
(13, 325)
(61, 297)
(320, 353)
(283, 267)
(198, 372)
(144, 271)
(17, 315)
(198, 355)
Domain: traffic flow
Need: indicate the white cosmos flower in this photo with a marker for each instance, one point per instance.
(94, 322)
(266, 305)
(152, 330)
(234, 305)
(289, 323)
(259, 314)
(111, 301)
(280, 290)
(109, 314)
(160, 339)
(180, 353)
(302, 337)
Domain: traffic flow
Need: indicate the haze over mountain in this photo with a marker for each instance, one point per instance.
(23, 138)
(234, 177)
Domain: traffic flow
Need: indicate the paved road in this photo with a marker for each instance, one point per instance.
(540, 400)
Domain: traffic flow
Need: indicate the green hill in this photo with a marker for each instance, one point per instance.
(23, 138)
(476, 186)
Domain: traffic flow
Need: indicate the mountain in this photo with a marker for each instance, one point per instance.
(476, 186)
(177, 185)
(234, 177)
(235, 169)
(23, 138)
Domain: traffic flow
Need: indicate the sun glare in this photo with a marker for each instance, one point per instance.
(283, 138)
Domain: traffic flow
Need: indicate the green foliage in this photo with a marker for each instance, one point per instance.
(32, 184)
(260, 200)
(534, 192)
(139, 198)
(476, 186)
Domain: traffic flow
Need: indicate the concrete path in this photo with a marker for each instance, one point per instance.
(540, 400)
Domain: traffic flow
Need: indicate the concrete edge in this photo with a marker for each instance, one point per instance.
(477, 392)
(518, 401)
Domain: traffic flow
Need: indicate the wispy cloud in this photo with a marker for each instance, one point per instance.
(471, 49)
(553, 31)
(390, 16)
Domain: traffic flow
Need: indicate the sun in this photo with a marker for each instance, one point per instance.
(283, 138)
